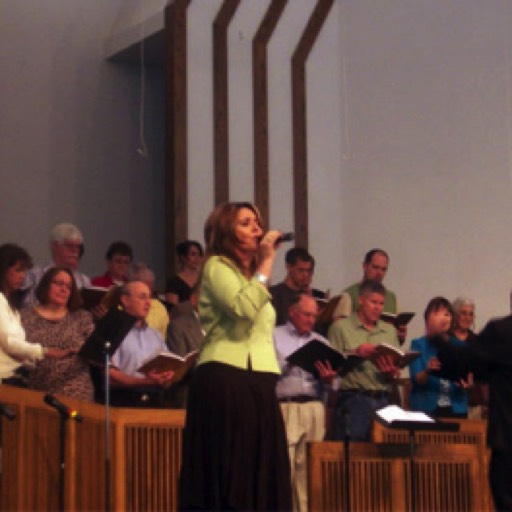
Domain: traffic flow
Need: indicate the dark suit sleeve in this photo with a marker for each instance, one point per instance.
(479, 355)
(176, 339)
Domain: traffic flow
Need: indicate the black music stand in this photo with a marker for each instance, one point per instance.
(99, 347)
(413, 422)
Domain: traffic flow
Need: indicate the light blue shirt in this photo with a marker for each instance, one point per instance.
(294, 381)
(139, 345)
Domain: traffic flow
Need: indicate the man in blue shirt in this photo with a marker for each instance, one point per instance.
(300, 393)
(131, 388)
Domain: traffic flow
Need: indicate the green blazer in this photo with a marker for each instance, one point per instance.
(237, 317)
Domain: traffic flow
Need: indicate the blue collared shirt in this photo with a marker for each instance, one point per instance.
(139, 345)
(294, 381)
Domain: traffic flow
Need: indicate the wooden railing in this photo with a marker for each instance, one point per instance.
(447, 479)
(145, 456)
(470, 432)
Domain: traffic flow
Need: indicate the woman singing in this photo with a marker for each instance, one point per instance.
(234, 448)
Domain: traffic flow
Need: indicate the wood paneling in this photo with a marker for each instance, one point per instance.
(300, 154)
(220, 99)
(470, 432)
(260, 105)
(176, 209)
(145, 456)
(446, 479)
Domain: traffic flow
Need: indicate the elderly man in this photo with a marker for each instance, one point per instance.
(129, 387)
(300, 393)
(66, 246)
(157, 318)
(300, 266)
(368, 386)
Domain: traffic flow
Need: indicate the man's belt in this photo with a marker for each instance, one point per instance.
(299, 399)
(374, 393)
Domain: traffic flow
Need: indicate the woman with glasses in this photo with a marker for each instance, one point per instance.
(463, 330)
(56, 322)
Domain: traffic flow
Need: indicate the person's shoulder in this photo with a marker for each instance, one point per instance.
(500, 325)
(81, 315)
(386, 328)
(28, 312)
(391, 293)
(104, 280)
(344, 323)
(419, 342)
(353, 287)
(278, 289)
(219, 264)
(281, 330)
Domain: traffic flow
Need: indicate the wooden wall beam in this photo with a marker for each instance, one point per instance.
(220, 99)
(176, 163)
(260, 104)
(300, 155)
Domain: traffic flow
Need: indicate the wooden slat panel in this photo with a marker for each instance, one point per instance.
(220, 98)
(41, 462)
(300, 154)
(10, 466)
(472, 431)
(260, 105)
(90, 467)
(36, 455)
(176, 162)
(446, 479)
(152, 480)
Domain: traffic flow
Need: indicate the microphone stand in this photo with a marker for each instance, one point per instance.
(62, 459)
(106, 352)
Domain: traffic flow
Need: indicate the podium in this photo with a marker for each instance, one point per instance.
(412, 422)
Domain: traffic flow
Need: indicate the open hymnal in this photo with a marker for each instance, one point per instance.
(92, 296)
(167, 361)
(315, 350)
(400, 359)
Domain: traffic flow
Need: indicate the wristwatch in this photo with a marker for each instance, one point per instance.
(262, 278)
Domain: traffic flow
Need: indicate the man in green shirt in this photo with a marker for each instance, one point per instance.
(367, 387)
(375, 268)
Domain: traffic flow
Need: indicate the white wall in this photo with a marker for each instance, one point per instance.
(409, 128)
(408, 142)
(69, 133)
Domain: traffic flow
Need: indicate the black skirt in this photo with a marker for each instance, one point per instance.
(235, 454)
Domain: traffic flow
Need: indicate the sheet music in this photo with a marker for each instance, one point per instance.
(394, 413)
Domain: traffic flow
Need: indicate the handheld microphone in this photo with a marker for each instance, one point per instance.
(285, 237)
(7, 412)
(63, 410)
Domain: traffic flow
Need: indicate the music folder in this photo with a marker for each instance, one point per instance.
(315, 350)
(112, 328)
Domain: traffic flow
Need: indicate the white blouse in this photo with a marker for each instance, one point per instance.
(15, 350)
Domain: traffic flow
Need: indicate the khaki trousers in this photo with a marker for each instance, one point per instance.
(304, 422)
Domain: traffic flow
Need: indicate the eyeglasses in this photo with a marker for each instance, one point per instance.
(65, 284)
(70, 246)
(120, 260)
